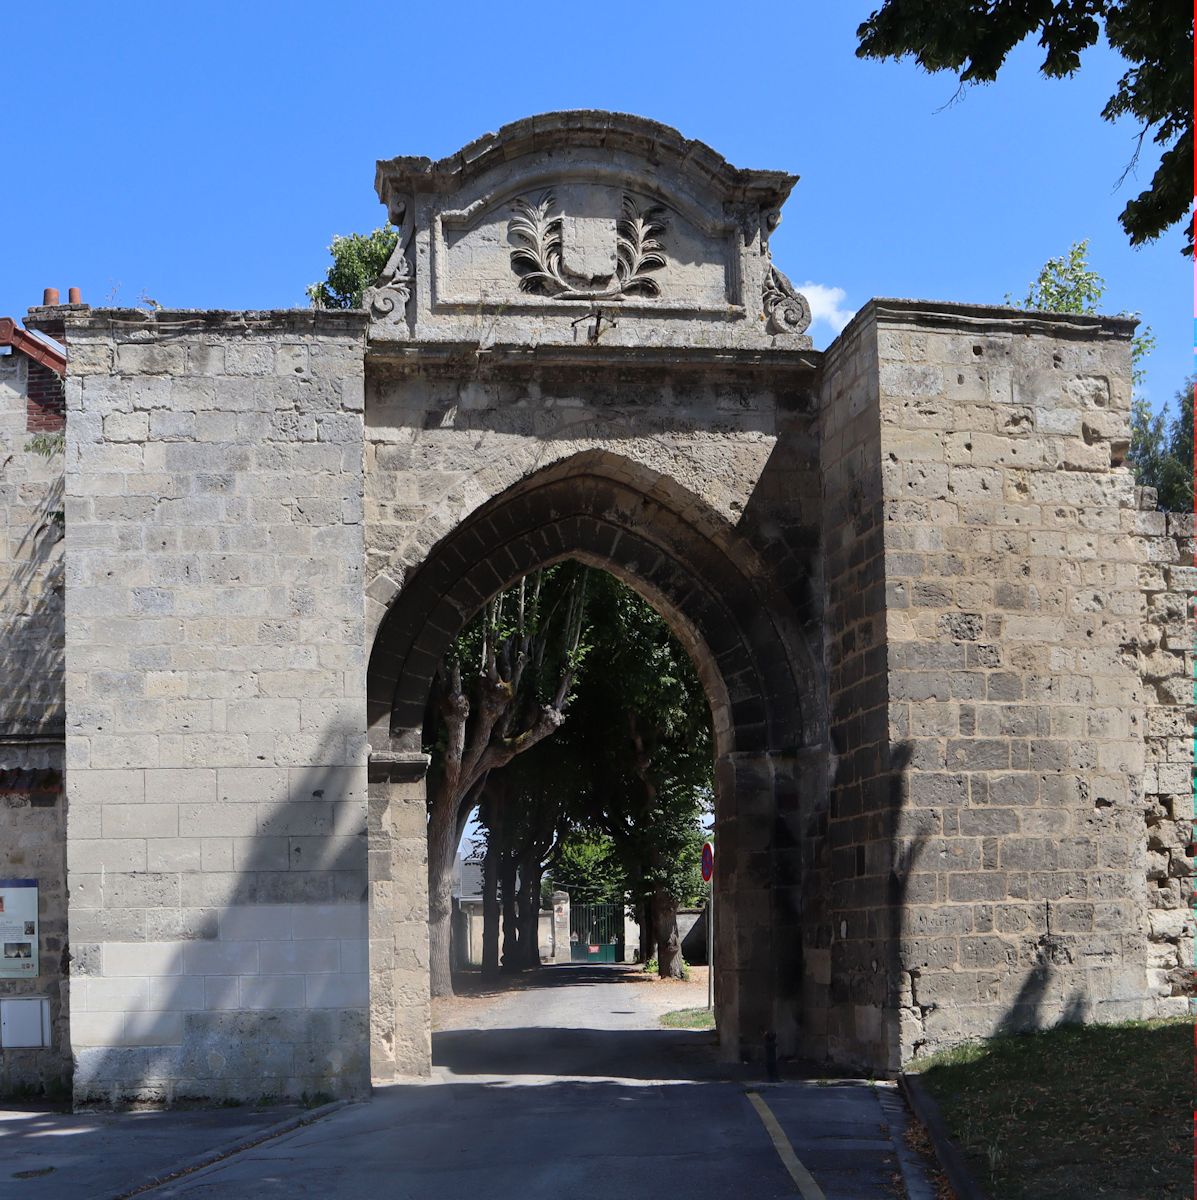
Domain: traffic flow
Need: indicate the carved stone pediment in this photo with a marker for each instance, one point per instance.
(576, 226)
(583, 252)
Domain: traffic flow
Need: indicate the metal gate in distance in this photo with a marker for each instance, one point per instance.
(596, 933)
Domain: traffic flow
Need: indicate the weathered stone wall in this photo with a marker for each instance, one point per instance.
(1009, 852)
(32, 813)
(31, 703)
(33, 846)
(698, 484)
(215, 754)
(1169, 581)
(443, 441)
(925, 607)
(854, 951)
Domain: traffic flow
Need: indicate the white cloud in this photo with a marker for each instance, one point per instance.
(827, 305)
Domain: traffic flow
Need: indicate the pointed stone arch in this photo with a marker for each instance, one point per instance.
(746, 643)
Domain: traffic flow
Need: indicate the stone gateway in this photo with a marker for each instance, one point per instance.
(942, 635)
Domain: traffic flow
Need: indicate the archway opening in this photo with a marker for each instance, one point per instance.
(704, 580)
(571, 739)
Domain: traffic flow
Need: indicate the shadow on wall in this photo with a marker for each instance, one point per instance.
(252, 983)
(32, 809)
(1025, 1013)
(952, 965)
(31, 603)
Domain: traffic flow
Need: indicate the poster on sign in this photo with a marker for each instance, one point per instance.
(18, 928)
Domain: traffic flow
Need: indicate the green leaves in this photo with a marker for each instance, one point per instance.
(1066, 285)
(588, 867)
(358, 260)
(1161, 449)
(46, 444)
(973, 40)
(1161, 452)
(631, 765)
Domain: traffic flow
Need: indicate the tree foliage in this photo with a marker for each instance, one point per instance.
(1065, 284)
(639, 735)
(502, 688)
(1161, 448)
(588, 867)
(1155, 37)
(611, 803)
(357, 261)
(1161, 452)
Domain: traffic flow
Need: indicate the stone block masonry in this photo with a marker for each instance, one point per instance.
(947, 648)
(988, 595)
(216, 765)
(31, 570)
(842, 1007)
(987, 860)
(1168, 666)
(32, 812)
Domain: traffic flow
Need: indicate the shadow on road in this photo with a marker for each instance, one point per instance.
(97, 1155)
(562, 1140)
(649, 1054)
(471, 982)
(575, 1021)
(556, 1022)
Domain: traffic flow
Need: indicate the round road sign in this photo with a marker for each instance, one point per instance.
(708, 861)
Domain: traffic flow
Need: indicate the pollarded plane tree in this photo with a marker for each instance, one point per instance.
(523, 814)
(632, 766)
(502, 688)
(540, 816)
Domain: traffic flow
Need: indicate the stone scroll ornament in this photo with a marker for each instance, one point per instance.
(391, 292)
(786, 309)
(537, 259)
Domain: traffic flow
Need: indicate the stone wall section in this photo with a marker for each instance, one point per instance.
(442, 441)
(1012, 572)
(1169, 581)
(1004, 630)
(32, 812)
(215, 686)
(853, 951)
(33, 846)
(31, 570)
(728, 451)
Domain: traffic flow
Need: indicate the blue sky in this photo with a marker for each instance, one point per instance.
(203, 154)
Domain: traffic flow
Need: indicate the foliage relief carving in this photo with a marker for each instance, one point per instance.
(786, 309)
(392, 291)
(538, 256)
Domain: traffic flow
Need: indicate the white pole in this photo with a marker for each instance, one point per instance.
(711, 942)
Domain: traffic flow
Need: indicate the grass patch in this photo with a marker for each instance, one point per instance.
(689, 1018)
(1075, 1112)
(651, 967)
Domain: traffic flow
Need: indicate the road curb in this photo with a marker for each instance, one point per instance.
(228, 1149)
(951, 1157)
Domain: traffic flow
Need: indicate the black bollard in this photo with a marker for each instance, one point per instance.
(771, 1057)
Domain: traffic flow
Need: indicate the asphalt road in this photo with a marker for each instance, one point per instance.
(569, 1090)
(95, 1156)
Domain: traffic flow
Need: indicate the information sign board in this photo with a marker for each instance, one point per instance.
(18, 929)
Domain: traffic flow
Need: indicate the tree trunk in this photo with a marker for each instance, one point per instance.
(669, 945)
(507, 872)
(490, 907)
(441, 850)
(645, 919)
(529, 914)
